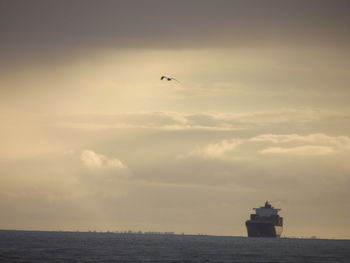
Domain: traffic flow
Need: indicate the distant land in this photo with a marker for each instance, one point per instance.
(131, 232)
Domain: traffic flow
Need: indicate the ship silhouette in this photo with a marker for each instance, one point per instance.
(265, 222)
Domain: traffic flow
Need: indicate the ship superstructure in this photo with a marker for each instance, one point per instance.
(265, 222)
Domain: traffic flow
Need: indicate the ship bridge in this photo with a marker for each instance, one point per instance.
(266, 210)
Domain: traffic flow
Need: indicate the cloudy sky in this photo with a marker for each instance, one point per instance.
(91, 139)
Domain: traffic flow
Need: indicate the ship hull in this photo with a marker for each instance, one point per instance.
(263, 229)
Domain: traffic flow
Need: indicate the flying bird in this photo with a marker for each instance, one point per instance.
(169, 79)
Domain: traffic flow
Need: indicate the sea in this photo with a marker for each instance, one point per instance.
(44, 246)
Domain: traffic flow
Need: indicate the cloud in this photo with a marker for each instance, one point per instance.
(302, 150)
(285, 144)
(341, 142)
(219, 150)
(210, 121)
(167, 121)
(59, 132)
(93, 160)
(137, 24)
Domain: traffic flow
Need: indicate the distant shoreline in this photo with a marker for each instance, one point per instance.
(158, 233)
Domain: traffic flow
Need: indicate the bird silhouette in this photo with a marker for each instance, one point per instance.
(169, 79)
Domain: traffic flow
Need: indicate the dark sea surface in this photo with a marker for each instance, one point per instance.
(35, 246)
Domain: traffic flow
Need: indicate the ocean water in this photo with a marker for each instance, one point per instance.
(34, 246)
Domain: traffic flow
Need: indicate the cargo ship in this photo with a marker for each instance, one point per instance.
(265, 222)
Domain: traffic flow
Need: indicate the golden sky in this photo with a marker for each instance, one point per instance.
(92, 139)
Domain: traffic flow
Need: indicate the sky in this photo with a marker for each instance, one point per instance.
(92, 139)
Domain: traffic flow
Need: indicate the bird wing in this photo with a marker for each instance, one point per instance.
(176, 80)
(168, 78)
